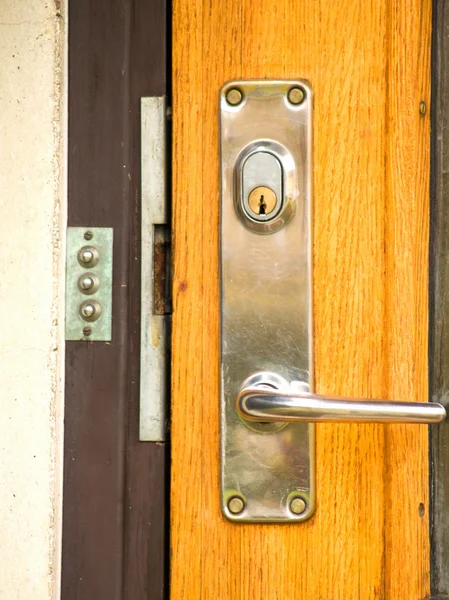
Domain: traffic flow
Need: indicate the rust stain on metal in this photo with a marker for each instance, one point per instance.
(159, 270)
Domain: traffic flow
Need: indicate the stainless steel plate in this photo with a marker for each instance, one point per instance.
(265, 300)
(154, 328)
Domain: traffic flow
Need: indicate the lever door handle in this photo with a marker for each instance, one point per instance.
(267, 423)
(260, 401)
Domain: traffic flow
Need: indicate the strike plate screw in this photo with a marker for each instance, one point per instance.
(295, 95)
(236, 505)
(234, 97)
(87, 331)
(298, 505)
(88, 235)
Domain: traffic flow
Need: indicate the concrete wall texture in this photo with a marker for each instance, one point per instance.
(32, 233)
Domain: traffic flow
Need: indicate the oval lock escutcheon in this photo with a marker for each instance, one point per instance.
(262, 186)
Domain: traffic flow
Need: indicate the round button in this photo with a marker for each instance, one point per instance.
(88, 256)
(86, 283)
(90, 310)
(262, 200)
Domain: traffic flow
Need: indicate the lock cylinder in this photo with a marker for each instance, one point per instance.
(264, 198)
(262, 186)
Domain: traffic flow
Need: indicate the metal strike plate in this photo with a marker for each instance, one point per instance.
(155, 323)
(88, 314)
(267, 469)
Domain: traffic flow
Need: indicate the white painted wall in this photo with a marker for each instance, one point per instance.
(32, 230)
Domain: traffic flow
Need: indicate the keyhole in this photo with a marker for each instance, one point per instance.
(261, 201)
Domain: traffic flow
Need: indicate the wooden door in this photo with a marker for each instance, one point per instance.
(369, 66)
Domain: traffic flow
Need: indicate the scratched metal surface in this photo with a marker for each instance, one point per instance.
(265, 306)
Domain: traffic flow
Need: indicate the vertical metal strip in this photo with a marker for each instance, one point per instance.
(153, 376)
(267, 470)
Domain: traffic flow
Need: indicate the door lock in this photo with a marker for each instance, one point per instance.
(262, 201)
(268, 410)
(261, 184)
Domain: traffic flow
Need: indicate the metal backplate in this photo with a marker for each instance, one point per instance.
(97, 240)
(267, 469)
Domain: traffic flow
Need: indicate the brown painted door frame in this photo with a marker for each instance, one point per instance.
(439, 302)
(115, 529)
(115, 488)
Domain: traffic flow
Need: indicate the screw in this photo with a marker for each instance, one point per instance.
(234, 97)
(88, 235)
(295, 95)
(298, 505)
(236, 505)
(422, 108)
(87, 331)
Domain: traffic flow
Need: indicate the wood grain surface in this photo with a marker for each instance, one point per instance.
(369, 66)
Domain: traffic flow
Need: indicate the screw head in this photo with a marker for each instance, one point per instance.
(295, 95)
(88, 235)
(297, 505)
(87, 331)
(236, 505)
(234, 97)
(422, 108)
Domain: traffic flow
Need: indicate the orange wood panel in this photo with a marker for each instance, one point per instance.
(369, 66)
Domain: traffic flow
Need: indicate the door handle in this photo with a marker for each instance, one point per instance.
(294, 403)
(267, 429)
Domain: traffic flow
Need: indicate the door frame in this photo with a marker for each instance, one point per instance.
(115, 523)
(439, 302)
(115, 517)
